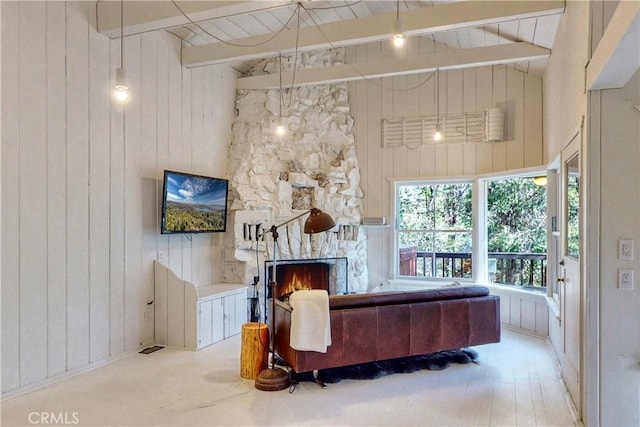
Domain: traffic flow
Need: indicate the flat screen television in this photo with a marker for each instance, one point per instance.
(193, 203)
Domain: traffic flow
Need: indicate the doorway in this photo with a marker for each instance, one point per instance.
(570, 280)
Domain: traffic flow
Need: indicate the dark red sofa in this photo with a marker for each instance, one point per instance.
(387, 325)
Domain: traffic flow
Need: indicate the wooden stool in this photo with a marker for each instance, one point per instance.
(254, 354)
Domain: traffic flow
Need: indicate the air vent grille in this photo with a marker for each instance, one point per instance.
(418, 131)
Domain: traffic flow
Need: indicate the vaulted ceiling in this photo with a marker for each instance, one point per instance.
(470, 33)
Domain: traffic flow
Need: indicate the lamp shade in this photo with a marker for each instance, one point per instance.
(121, 92)
(398, 37)
(540, 180)
(318, 221)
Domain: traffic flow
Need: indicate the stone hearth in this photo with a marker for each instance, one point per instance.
(273, 179)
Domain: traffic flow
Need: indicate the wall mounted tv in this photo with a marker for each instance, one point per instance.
(193, 203)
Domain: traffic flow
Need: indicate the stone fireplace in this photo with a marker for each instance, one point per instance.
(273, 179)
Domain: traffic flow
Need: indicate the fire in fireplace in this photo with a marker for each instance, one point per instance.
(330, 274)
(301, 276)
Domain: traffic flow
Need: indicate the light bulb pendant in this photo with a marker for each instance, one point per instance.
(437, 136)
(121, 92)
(281, 130)
(398, 37)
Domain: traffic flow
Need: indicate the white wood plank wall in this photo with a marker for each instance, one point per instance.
(82, 180)
(523, 311)
(467, 90)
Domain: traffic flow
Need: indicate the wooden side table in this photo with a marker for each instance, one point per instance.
(254, 354)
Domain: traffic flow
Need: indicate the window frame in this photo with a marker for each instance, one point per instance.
(479, 242)
(395, 274)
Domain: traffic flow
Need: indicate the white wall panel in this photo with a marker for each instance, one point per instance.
(516, 142)
(149, 147)
(455, 103)
(484, 100)
(1, 295)
(533, 146)
(427, 108)
(619, 152)
(32, 202)
(1, 378)
(187, 163)
(500, 99)
(528, 315)
(399, 108)
(10, 197)
(524, 311)
(413, 98)
(77, 191)
(116, 205)
(82, 181)
(197, 111)
(441, 150)
(469, 105)
(468, 90)
(99, 169)
(133, 291)
(56, 189)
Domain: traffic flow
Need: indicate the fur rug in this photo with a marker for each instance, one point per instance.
(375, 370)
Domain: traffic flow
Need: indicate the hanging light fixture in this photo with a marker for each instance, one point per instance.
(280, 128)
(121, 92)
(437, 135)
(398, 37)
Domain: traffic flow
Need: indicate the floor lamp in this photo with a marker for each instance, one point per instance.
(272, 378)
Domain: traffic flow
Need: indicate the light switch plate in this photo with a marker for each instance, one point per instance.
(625, 279)
(625, 250)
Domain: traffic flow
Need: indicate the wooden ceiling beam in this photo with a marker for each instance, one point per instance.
(449, 60)
(617, 56)
(425, 20)
(145, 16)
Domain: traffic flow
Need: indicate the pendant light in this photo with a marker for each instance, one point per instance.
(398, 37)
(280, 129)
(437, 135)
(121, 92)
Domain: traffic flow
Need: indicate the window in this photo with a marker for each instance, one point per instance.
(435, 237)
(517, 233)
(435, 222)
(572, 191)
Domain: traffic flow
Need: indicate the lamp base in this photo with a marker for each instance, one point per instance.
(272, 379)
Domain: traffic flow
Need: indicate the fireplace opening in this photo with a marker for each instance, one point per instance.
(329, 274)
(303, 276)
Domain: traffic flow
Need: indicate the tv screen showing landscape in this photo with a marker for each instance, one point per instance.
(193, 203)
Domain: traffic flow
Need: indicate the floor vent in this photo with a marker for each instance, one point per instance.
(150, 349)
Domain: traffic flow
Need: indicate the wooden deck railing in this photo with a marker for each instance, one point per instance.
(519, 269)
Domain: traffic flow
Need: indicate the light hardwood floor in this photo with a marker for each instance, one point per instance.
(515, 384)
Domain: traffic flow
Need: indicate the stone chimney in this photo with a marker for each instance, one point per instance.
(275, 178)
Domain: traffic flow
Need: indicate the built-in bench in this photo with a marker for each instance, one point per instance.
(194, 317)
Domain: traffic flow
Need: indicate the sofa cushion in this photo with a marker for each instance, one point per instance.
(403, 297)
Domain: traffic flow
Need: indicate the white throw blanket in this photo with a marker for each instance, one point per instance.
(310, 325)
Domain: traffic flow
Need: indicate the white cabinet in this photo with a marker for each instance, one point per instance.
(222, 310)
(195, 317)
